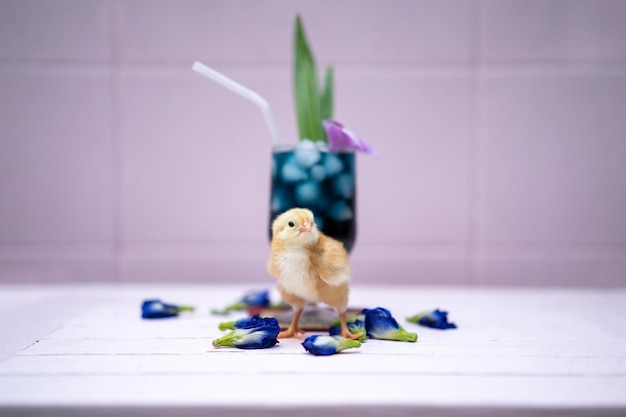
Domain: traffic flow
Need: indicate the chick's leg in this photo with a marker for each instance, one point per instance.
(293, 330)
(297, 304)
(345, 332)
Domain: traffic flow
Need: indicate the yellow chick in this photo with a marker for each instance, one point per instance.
(309, 267)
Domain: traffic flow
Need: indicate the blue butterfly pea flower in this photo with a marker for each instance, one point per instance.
(321, 345)
(245, 323)
(249, 299)
(256, 298)
(157, 309)
(256, 333)
(380, 324)
(435, 319)
(378, 311)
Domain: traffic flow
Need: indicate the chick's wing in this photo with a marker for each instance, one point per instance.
(332, 265)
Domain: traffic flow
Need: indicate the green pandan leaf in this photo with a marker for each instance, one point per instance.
(326, 102)
(306, 90)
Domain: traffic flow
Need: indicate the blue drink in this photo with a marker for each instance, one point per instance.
(324, 182)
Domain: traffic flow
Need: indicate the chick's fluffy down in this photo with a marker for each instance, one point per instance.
(309, 265)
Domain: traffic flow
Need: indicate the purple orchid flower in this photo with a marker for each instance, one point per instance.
(341, 139)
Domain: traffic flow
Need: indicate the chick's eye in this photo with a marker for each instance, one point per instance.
(291, 224)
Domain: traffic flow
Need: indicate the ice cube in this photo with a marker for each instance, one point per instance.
(281, 200)
(333, 164)
(306, 153)
(291, 172)
(340, 211)
(322, 146)
(276, 204)
(343, 185)
(307, 193)
(318, 173)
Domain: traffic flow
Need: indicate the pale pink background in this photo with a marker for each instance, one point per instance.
(501, 125)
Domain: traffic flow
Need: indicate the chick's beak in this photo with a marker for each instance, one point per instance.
(306, 227)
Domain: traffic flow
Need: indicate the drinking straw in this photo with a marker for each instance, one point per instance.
(243, 91)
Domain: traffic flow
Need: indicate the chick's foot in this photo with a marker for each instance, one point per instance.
(293, 330)
(291, 333)
(352, 336)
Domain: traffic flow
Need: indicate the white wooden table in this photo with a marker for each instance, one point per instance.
(83, 350)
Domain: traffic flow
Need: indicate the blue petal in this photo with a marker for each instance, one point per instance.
(257, 339)
(319, 345)
(156, 309)
(328, 345)
(378, 311)
(437, 319)
(256, 298)
(256, 322)
(248, 322)
(259, 333)
(334, 330)
(380, 326)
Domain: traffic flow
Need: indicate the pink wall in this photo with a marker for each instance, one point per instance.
(500, 123)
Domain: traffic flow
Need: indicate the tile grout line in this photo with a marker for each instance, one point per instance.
(322, 373)
(25, 248)
(474, 145)
(116, 146)
(362, 70)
